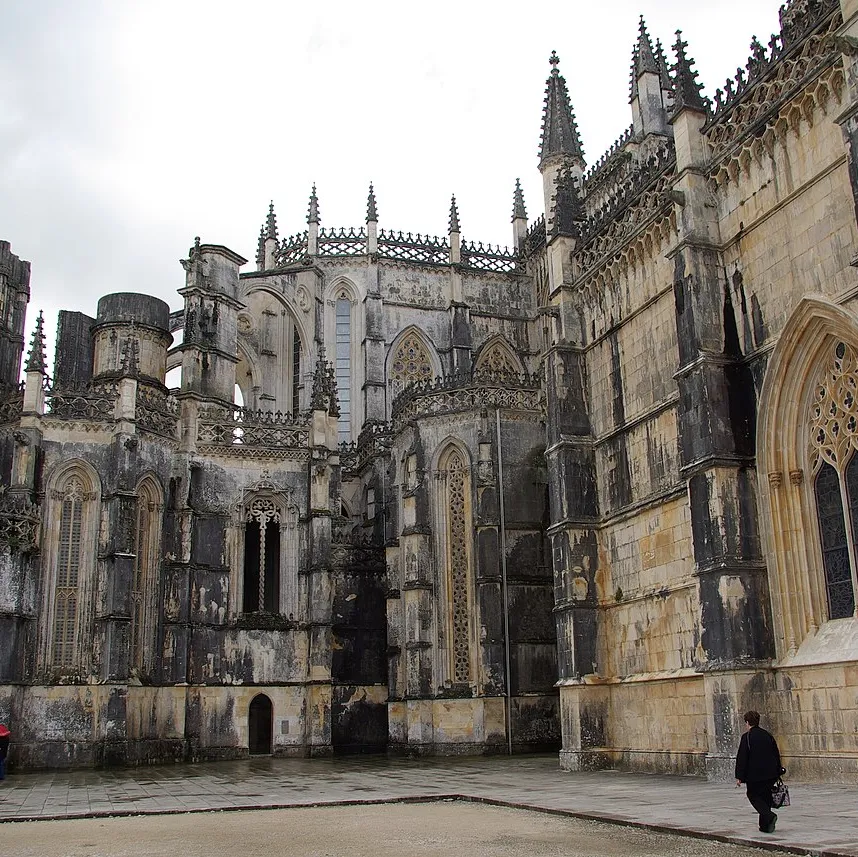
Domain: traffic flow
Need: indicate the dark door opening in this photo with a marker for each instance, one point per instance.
(260, 722)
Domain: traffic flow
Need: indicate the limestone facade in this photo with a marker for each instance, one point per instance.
(420, 495)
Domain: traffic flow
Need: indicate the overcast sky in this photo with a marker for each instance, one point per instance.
(127, 128)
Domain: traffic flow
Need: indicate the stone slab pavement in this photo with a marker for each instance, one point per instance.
(823, 819)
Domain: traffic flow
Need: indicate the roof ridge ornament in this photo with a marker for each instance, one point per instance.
(260, 248)
(313, 208)
(36, 359)
(687, 90)
(644, 54)
(271, 222)
(518, 209)
(371, 211)
(454, 215)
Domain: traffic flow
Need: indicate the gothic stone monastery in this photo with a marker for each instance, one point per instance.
(595, 493)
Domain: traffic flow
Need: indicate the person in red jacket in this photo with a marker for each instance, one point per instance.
(4, 749)
(758, 765)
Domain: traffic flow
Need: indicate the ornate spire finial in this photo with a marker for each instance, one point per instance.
(36, 357)
(313, 211)
(271, 222)
(559, 130)
(454, 215)
(324, 393)
(371, 212)
(645, 61)
(518, 209)
(260, 248)
(686, 88)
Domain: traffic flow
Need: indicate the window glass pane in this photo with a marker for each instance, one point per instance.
(343, 366)
(835, 551)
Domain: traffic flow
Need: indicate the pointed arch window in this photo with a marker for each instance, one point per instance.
(833, 445)
(144, 583)
(497, 359)
(456, 507)
(70, 556)
(262, 557)
(296, 371)
(410, 363)
(343, 365)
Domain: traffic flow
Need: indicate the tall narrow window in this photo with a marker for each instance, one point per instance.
(834, 439)
(69, 562)
(69, 558)
(262, 557)
(296, 371)
(344, 366)
(457, 508)
(143, 592)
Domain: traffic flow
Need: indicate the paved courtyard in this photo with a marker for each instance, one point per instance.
(823, 819)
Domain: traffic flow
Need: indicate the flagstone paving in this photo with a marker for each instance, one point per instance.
(822, 820)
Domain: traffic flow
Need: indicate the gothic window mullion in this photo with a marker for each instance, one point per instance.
(262, 522)
(832, 454)
(459, 577)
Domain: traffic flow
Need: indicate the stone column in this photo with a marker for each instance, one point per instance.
(716, 417)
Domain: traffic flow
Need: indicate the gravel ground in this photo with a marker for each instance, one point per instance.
(389, 830)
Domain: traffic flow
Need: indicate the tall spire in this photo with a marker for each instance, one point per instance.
(559, 131)
(371, 212)
(686, 87)
(454, 215)
(260, 249)
(518, 209)
(36, 357)
(313, 210)
(271, 222)
(645, 60)
(660, 58)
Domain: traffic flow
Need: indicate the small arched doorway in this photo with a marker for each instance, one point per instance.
(260, 721)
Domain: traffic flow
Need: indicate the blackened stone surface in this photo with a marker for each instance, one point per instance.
(74, 351)
(359, 725)
(133, 307)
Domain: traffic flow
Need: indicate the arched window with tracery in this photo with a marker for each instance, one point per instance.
(410, 362)
(262, 557)
(455, 501)
(497, 359)
(833, 460)
(144, 584)
(71, 554)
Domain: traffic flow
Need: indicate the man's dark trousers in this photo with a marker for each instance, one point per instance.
(760, 796)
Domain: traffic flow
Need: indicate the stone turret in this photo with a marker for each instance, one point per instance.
(560, 147)
(211, 313)
(14, 296)
(131, 336)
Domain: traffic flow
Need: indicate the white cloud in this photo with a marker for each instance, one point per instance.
(128, 128)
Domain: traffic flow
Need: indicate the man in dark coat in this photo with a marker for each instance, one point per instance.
(758, 765)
